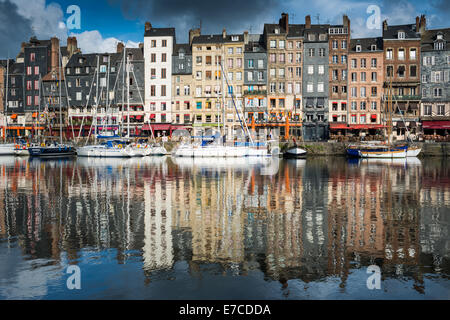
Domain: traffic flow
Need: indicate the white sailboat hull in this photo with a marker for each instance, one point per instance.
(413, 152)
(104, 152)
(391, 154)
(7, 149)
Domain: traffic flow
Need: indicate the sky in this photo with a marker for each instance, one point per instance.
(103, 23)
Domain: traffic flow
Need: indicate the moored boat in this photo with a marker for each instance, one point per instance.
(295, 153)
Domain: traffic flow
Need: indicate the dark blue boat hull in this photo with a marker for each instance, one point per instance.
(52, 151)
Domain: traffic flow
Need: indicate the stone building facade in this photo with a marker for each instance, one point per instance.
(315, 82)
(435, 106)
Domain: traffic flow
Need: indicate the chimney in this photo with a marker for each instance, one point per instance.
(224, 33)
(284, 22)
(246, 38)
(148, 26)
(385, 25)
(417, 23)
(194, 33)
(120, 47)
(54, 62)
(423, 24)
(308, 22)
(141, 45)
(22, 47)
(346, 22)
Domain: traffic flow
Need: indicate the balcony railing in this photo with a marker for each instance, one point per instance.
(402, 98)
(255, 92)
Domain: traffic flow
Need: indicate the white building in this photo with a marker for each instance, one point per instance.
(158, 49)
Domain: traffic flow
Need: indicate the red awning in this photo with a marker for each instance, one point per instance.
(374, 116)
(152, 116)
(366, 126)
(138, 117)
(338, 126)
(436, 124)
(156, 127)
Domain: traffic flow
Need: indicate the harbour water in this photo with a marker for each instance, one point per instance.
(163, 228)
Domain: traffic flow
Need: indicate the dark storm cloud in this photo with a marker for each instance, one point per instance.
(14, 29)
(235, 15)
(442, 5)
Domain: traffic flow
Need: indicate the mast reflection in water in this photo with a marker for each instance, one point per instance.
(162, 228)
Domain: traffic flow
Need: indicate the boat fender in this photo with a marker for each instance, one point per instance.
(42, 145)
(139, 146)
(119, 146)
(24, 148)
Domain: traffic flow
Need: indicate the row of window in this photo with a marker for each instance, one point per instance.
(434, 92)
(154, 43)
(282, 58)
(401, 71)
(363, 63)
(363, 78)
(282, 72)
(281, 44)
(281, 87)
(312, 52)
(363, 92)
(335, 59)
(401, 54)
(428, 110)
(335, 44)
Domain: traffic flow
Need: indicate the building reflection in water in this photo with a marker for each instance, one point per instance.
(309, 221)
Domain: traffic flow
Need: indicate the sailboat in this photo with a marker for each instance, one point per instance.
(6, 149)
(217, 148)
(111, 145)
(54, 149)
(385, 150)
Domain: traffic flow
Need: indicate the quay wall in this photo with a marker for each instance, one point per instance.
(429, 149)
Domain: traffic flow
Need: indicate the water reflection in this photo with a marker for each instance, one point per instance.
(288, 228)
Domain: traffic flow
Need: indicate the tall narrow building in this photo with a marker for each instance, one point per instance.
(435, 110)
(315, 82)
(158, 49)
(402, 70)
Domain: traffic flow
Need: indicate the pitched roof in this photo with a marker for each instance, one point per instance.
(429, 37)
(160, 32)
(392, 32)
(182, 46)
(205, 39)
(54, 76)
(366, 44)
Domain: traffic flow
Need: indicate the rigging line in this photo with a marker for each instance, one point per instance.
(87, 103)
(142, 100)
(234, 103)
(96, 112)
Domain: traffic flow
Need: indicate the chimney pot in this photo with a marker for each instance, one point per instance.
(308, 22)
(224, 33)
(148, 26)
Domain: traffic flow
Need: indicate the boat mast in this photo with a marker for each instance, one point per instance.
(97, 100)
(60, 108)
(6, 99)
(128, 96)
(107, 96)
(123, 90)
(390, 112)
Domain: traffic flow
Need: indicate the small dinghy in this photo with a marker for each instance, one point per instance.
(295, 153)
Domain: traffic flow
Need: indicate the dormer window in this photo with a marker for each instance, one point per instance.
(234, 38)
(373, 47)
(401, 35)
(255, 49)
(440, 37)
(439, 45)
(358, 48)
(181, 54)
(276, 31)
